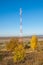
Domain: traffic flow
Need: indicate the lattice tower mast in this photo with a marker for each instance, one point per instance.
(21, 24)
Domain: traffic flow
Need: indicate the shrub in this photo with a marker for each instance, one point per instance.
(19, 53)
(17, 48)
(34, 41)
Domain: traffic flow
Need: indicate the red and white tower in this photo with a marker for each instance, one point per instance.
(21, 24)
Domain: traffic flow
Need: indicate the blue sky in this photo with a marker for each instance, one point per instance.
(10, 18)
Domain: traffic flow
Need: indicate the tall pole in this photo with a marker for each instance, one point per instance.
(20, 24)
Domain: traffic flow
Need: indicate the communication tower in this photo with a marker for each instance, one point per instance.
(21, 24)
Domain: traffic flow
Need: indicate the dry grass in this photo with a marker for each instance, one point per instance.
(32, 58)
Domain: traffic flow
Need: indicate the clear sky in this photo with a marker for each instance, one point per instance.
(10, 18)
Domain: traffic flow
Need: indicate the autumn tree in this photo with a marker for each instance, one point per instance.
(19, 53)
(12, 44)
(18, 49)
(34, 41)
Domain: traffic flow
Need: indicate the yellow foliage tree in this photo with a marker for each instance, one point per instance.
(12, 44)
(19, 53)
(34, 41)
(17, 48)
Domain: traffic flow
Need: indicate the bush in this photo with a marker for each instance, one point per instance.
(19, 53)
(34, 41)
(17, 48)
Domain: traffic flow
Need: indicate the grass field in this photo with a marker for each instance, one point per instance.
(32, 57)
